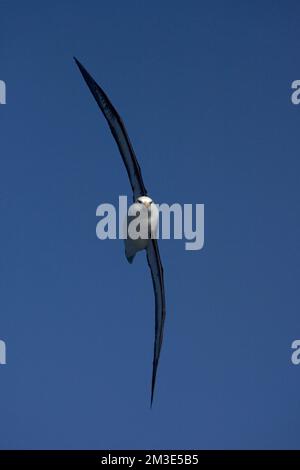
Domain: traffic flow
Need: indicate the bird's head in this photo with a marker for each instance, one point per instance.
(147, 201)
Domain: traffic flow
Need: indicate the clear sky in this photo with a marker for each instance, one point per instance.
(204, 89)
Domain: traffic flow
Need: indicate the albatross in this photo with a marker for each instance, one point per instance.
(141, 199)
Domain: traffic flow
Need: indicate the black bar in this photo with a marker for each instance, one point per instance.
(138, 458)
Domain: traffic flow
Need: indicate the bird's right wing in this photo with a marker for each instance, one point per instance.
(157, 275)
(118, 131)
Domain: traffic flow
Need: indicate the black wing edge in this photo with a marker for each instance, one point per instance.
(119, 132)
(157, 274)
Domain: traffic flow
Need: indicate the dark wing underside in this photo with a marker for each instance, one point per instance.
(119, 132)
(157, 274)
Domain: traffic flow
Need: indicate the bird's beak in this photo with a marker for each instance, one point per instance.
(147, 204)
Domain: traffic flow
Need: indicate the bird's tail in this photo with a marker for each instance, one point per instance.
(130, 258)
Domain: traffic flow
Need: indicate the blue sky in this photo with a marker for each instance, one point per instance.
(204, 90)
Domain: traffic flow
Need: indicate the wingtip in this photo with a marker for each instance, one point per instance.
(151, 402)
(77, 62)
(87, 77)
(152, 394)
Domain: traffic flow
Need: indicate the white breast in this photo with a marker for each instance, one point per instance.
(148, 221)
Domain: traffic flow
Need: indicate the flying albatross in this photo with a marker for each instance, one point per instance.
(140, 197)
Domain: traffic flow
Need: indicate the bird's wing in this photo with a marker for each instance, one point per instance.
(157, 274)
(119, 132)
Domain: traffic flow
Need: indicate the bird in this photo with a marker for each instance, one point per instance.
(141, 203)
(144, 216)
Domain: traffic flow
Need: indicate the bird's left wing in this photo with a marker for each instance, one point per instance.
(157, 275)
(118, 131)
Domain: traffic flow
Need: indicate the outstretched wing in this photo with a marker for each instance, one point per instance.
(119, 132)
(157, 274)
